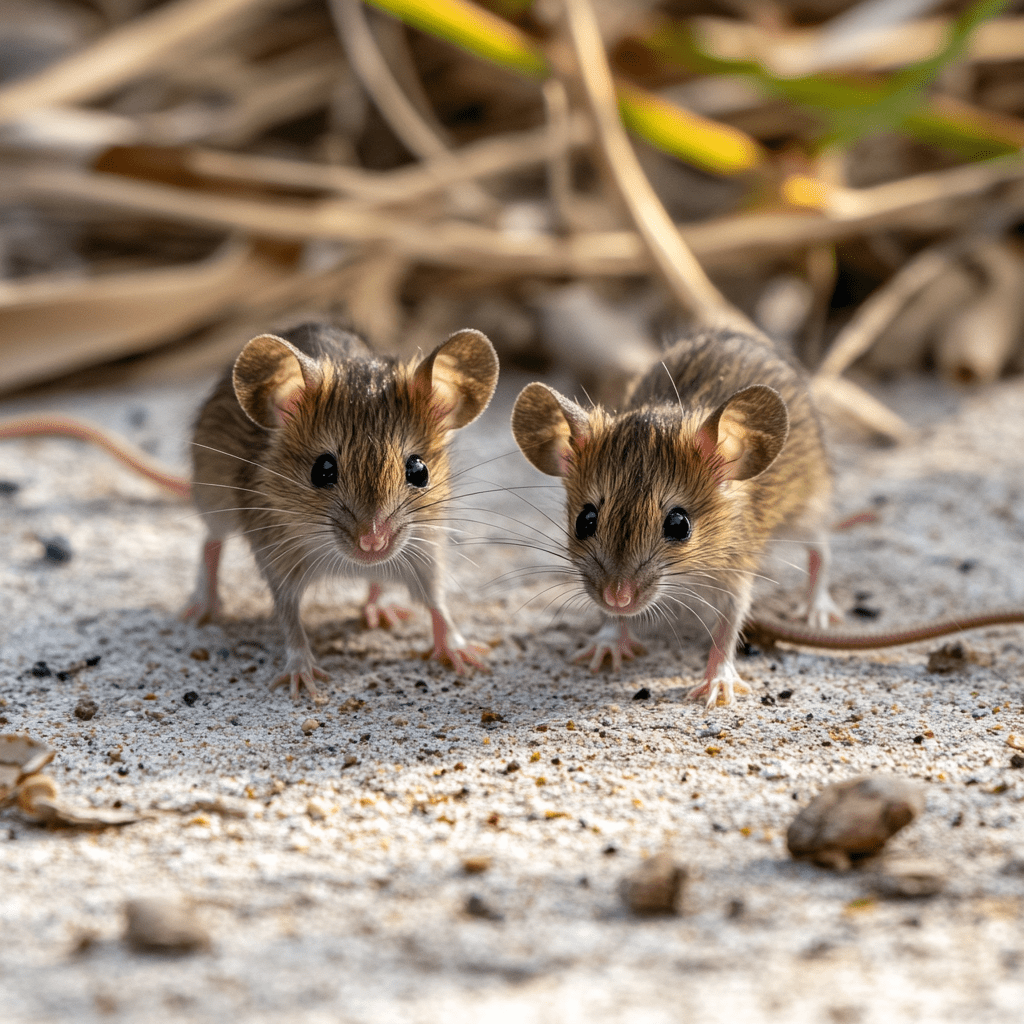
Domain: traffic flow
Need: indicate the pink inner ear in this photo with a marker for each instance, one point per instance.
(287, 409)
(707, 449)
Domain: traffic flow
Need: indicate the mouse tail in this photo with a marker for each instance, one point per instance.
(130, 455)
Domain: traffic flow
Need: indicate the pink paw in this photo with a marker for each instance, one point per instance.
(200, 612)
(460, 657)
(387, 616)
(725, 684)
(619, 651)
(304, 677)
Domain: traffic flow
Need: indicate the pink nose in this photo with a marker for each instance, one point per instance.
(621, 595)
(376, 539)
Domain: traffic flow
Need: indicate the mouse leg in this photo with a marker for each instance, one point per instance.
(819, 608)
(300, 668)
(720, 676)
(205, 602)
(613, 640)
(377, 613)
(422, 576)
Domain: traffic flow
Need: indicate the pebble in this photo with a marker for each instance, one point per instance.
(656, 886)
(163, 926)
(310, 725)
(853, 819)
(86, 709)
(317, 808)
(910, 877)
(476, 865)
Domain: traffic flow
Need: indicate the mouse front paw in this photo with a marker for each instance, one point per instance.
(613, 640)
(453, 650)
(200, 611)
(726, 683)
(298, 677)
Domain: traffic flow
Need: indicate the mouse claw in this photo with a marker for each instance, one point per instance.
(304, 677)
(726, 684)
(613, 640)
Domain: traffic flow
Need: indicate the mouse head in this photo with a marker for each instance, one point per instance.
(653, 491)
(362, 441)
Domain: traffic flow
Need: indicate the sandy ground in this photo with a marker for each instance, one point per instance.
(332, 879)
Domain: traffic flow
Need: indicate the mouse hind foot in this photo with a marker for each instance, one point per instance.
(725, 684)
(380, 614)
(613, 640)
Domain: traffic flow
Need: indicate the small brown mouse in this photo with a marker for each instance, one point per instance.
(672, 502)
(328, 459)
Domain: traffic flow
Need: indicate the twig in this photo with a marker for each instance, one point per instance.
(140, 46)
(719, 242)
(680, 270)
(496, 155)
(368, 63)
(878, 310)
(854, 402)
(556, 105)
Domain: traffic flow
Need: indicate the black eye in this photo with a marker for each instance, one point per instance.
(416, 472)
(586, 523)
(325, 471)
(677, 525)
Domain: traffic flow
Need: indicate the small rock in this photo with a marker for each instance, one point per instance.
(8, 488)
(655, 887)
(56, 549)
(853, 819)
(512, 766)
(1014, 864)
(910, 878)
(1017, 761)
(490, 716)
(86, 709)
(476, 865)
(309, 725)
(476, 907)
(199, 654)
(163, 926)
(317, 808)
(190, 698)
(951, 657)
(40, 670)
(642, 694)
(350, 760)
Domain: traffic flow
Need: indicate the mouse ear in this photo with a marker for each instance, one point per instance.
(744, 435)
(544, 424)
(270, 376)
(459, 376)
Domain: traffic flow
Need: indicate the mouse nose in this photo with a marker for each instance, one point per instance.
(621, 595)
(376, 539)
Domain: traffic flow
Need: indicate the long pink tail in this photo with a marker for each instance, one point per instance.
(48, 425)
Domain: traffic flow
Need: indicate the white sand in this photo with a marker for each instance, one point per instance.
(359, 916)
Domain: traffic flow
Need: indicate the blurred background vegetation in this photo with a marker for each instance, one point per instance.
(178, 176)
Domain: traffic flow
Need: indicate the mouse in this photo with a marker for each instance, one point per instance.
(329, 459)
(672, 503)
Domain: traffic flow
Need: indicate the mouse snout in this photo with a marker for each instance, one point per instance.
(374, 540)
(620, 596)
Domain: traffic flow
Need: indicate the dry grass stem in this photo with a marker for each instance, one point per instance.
(143, 45)
(844, 399)
(677, 265)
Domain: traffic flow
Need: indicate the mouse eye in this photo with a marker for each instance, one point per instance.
(416, 472)
(586, 523)
(677, 525)
(325, 471)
